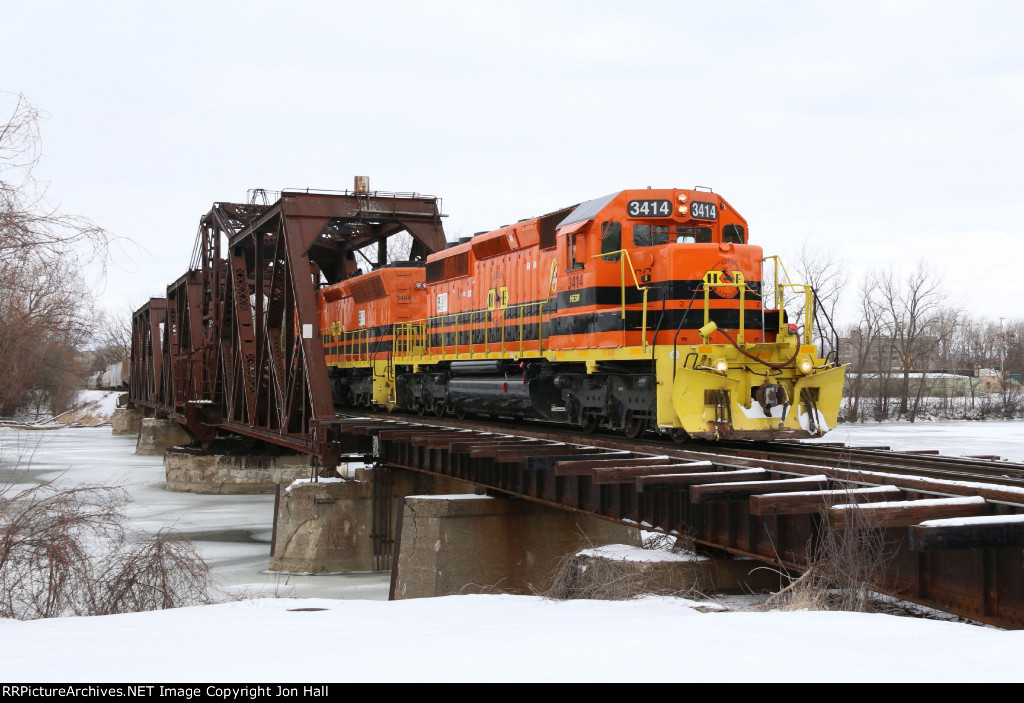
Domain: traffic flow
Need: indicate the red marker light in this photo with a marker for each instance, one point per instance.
(792, 328)
(504, 388)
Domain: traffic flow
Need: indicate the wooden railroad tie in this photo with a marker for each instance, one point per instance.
(904, 513)
(811, 502)
(988, 532)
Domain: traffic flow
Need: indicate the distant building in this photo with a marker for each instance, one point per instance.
(881, 356)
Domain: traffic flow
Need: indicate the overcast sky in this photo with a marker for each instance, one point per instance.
(889, 131)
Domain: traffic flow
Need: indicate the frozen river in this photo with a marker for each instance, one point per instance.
(953, 437)
(233, 532)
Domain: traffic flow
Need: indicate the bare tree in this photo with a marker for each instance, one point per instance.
(112, 336)
(862, 349)
(28, 221)
(822, 268)
(45, 304)
(913, 318)
(44, 321)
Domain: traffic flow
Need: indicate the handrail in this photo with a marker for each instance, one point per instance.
(806, 288)
(743, 288)
(622, 283)
(414, 338)
(408, 328)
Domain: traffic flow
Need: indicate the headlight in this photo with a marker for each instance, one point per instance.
(806, 365)
(682, 197)
(721, 366)
(682, 209)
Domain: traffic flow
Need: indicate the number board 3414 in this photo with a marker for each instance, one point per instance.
(649, 208)
(703, 211)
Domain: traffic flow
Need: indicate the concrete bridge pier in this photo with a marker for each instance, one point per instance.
(232, 467)
(156, 434)
(337, 526)
(456, 544)
(125, 421)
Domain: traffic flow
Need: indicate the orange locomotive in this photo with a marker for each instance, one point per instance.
(641, 310)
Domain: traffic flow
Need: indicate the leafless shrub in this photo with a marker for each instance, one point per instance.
(164, 571)
(65, 551)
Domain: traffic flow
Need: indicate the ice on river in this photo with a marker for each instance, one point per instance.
(953, 437)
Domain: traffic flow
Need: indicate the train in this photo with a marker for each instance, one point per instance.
(114, 377)
(646, 310)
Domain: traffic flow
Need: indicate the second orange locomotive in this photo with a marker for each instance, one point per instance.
(641, 310)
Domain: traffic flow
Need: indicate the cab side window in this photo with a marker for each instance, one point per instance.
(733, 234)
(576, 251)
(611, 240)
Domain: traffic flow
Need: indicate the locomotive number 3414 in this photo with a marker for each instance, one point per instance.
(649, 208)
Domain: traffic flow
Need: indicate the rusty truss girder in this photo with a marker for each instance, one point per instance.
(240, 347)
(145, 387)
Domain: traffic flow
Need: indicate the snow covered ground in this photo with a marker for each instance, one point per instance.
(500, 638)
(359, 636)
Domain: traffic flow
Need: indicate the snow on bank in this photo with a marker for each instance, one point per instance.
(499, 638)
(91, 408)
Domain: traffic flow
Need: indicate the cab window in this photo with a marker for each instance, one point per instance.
(611, 240)
(576, 252)
(733, 234)
(650, 235)
(693, 235)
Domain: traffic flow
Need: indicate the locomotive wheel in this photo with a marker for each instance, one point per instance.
(439, 409)
(680, 436)
(421, 407)
(460, 413)
(634, 427)
(589, 424)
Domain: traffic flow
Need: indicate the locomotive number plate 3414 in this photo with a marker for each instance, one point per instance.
(649, 208)
(703, 211)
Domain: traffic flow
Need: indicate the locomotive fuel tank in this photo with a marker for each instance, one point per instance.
(535, 398)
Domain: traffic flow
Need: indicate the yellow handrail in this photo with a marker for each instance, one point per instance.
(805, 288)
(743, 288)
(622, 283)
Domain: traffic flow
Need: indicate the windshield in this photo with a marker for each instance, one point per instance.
(656, 235)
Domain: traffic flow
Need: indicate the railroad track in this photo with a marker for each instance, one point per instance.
(924, 463)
